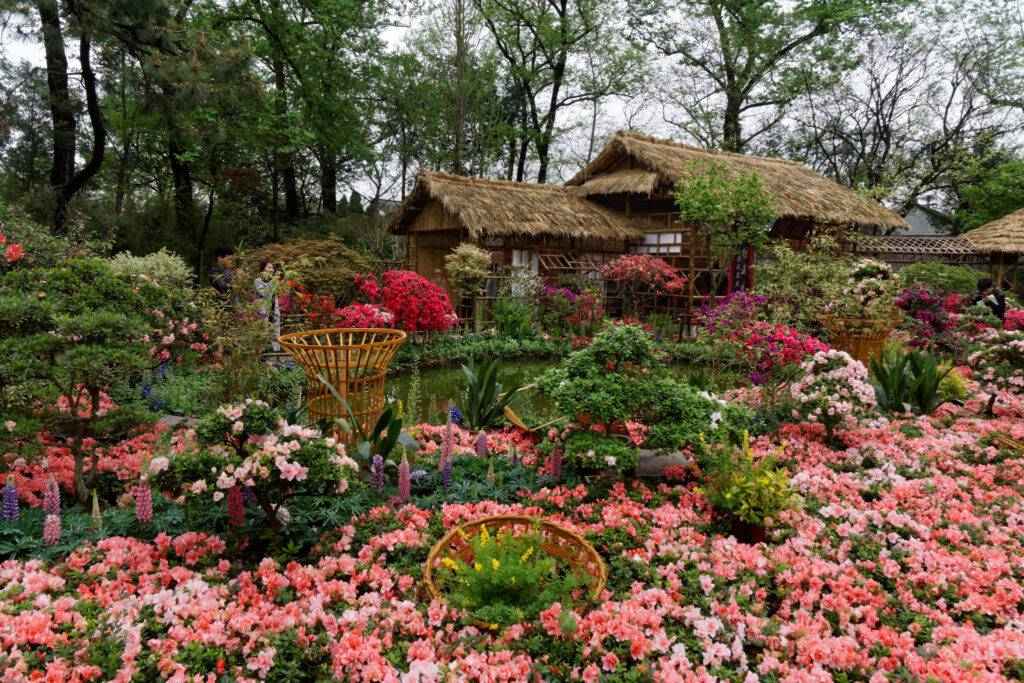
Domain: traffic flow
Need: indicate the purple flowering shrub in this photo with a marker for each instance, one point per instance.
(929, 324)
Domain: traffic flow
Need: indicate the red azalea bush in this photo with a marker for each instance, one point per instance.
(1014, 320)
(417, 305)
(644, 270)
(12, 252)
(769, 347)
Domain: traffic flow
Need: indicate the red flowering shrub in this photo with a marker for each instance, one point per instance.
(1014, 320)
(417, 305)
(12, 252)
(644, 270)
(954, 303)
(771, 346)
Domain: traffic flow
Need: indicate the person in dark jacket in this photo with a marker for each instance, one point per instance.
(991, 297)
(222, 277)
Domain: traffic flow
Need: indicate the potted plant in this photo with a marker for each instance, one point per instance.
(862, 315)
(751, 494)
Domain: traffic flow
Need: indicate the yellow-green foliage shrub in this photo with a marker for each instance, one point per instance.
(162, 267)
(330, 267)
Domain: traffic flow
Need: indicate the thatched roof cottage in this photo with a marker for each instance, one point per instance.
(619, 203)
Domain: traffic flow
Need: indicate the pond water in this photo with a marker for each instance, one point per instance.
(439, 385)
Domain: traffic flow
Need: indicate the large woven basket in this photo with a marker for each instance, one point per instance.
(354, 360)
(862, 338)
(557, 542)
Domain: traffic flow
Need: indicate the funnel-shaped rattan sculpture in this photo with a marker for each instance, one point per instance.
(354, 360)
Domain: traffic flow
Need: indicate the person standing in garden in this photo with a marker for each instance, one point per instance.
(267, 286)
(990, 296)
(222, 275)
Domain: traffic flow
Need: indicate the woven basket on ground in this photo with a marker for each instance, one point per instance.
(557, 541)
(862, 338)
(354, 360)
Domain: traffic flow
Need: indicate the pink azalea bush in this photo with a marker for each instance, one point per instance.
(249, 444)
(834, 390)
(906, 562)
(999, 364)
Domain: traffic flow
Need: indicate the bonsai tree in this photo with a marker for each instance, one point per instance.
(642, 273)
(68, 332)
(609, 381)
(730, 209)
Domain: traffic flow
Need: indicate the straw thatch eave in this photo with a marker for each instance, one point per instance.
(625, 181)
(799, 192)
(499, 208)
(1005, 235)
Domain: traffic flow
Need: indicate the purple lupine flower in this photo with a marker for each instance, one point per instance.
(249, 495)
(377, 474)
(10, 504)
(51, 529)
(513, 455)
(481, 444)
(143, 503)
(556, 462)
(404, 482)
(418, 474)
(51, 497)
(448, 473)
(447, 442)
(236, 506)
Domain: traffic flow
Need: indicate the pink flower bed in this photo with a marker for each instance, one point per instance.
(906, 562)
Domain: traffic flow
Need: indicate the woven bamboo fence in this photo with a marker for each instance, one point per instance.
(354, 360)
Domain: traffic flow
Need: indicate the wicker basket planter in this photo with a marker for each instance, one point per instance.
(557, 541)
(862, 338)
(354, 360)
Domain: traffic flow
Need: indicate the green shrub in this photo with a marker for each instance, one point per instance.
(467, 267)
(162, 267)
(586, 448)
(513, 318)
(950, 279)
(799, 284)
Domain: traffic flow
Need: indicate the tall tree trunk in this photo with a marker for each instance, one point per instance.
(181, 177)
(732, 129)
(460, 83)
(286, 161)
(62, 112)
(329, 183)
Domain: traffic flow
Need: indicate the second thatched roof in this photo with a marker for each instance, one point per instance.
(1004, 235)
(499, 208)
(799, 192)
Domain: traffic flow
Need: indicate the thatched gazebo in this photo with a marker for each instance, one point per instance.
(1003, 239)
(547, 228)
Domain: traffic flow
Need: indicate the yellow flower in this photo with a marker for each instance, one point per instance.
(495, 563)
(478, 566)
(484, 536)
(450, 563)
(526, 555)
(513, 579)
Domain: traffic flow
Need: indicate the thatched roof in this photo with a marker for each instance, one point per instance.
(499, 208)
(1004, 235)
(630, 181)
(799, 192)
